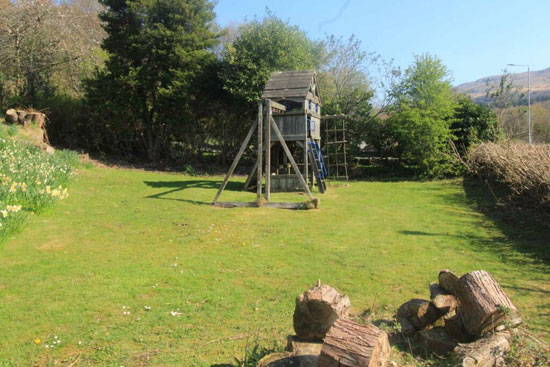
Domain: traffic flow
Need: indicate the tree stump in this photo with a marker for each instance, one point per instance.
(448, 281)
(483, 304)
(444, 302)
(488, 351)
(316, 311)
(349, 344)
(417, 312)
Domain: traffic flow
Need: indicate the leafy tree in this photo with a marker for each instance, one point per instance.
(264, 46)
(46, 45)
(472, 123)
(421, 112)
(250, 54)
(345, 87)
(157, 53)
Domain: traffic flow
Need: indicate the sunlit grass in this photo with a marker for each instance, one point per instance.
(137, 268)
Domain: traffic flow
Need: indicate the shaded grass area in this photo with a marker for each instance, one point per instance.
(216, 279)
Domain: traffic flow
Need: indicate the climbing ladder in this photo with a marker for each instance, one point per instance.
(335, 147)
(318, 166)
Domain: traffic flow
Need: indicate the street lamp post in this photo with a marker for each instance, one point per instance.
(528, 96)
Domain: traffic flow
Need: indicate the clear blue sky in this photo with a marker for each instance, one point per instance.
(474, 38)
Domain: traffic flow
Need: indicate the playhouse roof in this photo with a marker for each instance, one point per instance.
(291, 84)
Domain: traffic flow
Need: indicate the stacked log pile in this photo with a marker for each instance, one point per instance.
(24, 117)
(470, 316)
(325, 337)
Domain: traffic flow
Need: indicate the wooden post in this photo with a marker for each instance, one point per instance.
(260, 150)
(290, 158)
(268, 152)
(306, 147)
(236, 161)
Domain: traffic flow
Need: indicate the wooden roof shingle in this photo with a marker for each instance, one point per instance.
(288, 84)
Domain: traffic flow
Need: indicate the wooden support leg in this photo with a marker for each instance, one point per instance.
(260, 150)
(268, 152)
(236, 161)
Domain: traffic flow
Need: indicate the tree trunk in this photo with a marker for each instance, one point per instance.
(349, 344)
(317, 309)
(483, 304)
(488, 351)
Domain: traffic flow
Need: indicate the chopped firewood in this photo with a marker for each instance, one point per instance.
(419, 312)
(488, 351)
(454, 327)
(317, 309)
(444, 302)
(437, 340)
(349, 344)
(448, 281)
(484, 305)
(301, 347)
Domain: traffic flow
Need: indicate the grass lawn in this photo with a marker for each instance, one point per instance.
(127, 239)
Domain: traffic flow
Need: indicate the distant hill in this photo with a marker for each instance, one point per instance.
(540, 86)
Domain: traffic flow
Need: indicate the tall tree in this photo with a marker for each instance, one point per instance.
(157, 50)
(422, 115)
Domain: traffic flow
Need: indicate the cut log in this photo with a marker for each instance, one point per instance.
(419, 312)
(437, 340)
(484, 305)
(299, 347)
(317, 309)
(37, 118)
(454, 327)
(448, 281)
(21, 117)
(349, 344)
(488, 351)
(298, 353)
(443, 301)
(11, 116)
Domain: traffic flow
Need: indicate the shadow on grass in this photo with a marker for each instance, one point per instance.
(176, 186)
(524, 233)
(523, 240)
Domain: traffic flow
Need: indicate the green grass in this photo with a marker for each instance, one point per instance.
(128, 238)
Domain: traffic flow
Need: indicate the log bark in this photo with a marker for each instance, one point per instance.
(484, 305)
(349, 344)
(488, 351)
(418, 312)
(448, 281)
(437, 340)
(316, 311)
(443, 301)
